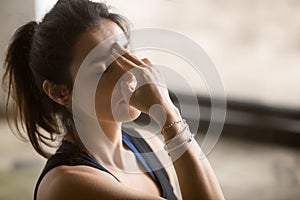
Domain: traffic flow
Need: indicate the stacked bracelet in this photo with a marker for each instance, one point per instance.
(188, 140)
(179, 134)
(182, 138)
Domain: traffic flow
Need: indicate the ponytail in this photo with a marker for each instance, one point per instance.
(44, 51)
(19, 83)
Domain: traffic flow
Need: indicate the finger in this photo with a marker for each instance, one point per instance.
(115, 63)
(125, 63)
(145, 60)
(126, 91)
(128, 55)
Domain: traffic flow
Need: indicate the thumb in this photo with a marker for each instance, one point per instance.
(127, 90)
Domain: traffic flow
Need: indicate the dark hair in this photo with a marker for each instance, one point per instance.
(44, 51)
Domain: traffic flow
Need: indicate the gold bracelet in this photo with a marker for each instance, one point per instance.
(171, 125)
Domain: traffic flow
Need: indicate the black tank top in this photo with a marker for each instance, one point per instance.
(70, 155)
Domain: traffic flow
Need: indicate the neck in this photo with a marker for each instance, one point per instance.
(113, 131)
(103, 141)
(117, 155)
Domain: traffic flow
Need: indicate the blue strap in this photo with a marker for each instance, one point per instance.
(130, 145)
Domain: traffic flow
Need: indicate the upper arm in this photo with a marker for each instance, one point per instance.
(81, 182)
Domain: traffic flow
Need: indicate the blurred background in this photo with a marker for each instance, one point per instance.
(255, 45)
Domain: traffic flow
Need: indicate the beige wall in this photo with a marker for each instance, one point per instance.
(13, 13)
(255, 44)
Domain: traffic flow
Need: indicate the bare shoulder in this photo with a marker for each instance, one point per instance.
(83, 182)
(72, 182)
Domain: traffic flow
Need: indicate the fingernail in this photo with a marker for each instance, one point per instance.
(116, 45)
(133, 85)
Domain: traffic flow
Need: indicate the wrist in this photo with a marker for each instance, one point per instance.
(171, 130)
(164, 115)
(172, 115)
(172, 123)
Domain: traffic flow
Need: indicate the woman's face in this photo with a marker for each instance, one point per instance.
(109, 103)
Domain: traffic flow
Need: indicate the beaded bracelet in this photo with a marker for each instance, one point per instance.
(188, 140)
(171, 125)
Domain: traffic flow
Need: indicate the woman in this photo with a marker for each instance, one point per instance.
(41, 66)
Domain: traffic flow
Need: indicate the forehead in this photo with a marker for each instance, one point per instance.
(87, 41)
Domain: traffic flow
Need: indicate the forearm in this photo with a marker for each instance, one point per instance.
(195, 175)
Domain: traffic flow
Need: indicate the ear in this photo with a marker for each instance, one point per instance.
(58, 93)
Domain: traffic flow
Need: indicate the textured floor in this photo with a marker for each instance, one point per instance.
(245, 170)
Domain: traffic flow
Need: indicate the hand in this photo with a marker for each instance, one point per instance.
(150, 87)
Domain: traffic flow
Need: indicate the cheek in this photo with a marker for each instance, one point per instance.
(108, 93)
(107, 83)
(103, 97)
(110, 104)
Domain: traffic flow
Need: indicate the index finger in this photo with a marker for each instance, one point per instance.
(128, 55)
(124, 62)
